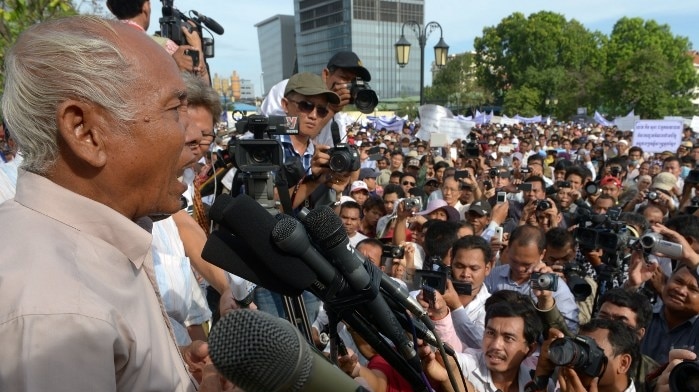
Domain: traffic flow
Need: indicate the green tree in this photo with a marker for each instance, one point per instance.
(558, 58)
(525, 101)
(649, 70)
(455, 85)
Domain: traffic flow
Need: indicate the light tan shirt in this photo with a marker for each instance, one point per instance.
(78, 307)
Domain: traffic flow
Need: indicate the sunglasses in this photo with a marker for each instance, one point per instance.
(307, 107)
(408, 183)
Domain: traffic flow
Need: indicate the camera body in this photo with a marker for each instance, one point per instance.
(412, 202)
(470, 146)
(343, 158)
(362, 96)
(261, 155)
(655, 243)
(493, 172)
(652, 196)
(574, 275)
(684, 377)
(543, 205)
(392, 252)
(525, 170)
(581, 352)
(546, 281)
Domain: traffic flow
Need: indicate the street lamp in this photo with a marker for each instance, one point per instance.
(441, 50)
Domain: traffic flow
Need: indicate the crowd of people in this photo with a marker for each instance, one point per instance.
(525, 243)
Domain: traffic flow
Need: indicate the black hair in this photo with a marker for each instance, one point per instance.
(621, 337)
(535, 158)
(374, 202)
(519, 305)
(577, 171)
(635, 301)
(439, 165)
(635, 219)
(538, 179)
(369, 241)
(528, 234)
(686, 225)
(125, 9)
(393, 188)
(473, 242)
(562, 164)
(634, 149)
(351, 204)
(558, 238)
(439, 238)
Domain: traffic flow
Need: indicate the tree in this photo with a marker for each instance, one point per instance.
(18, 15)
(649, 70)
(525, 101)
(455, 85)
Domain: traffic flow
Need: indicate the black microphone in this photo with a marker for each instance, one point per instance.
(326, 230)
(260, 352)
(245, 218)
(232, 254)
(210, 23)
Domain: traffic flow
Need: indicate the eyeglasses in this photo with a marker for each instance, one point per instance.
(408, 183)
(308, 106)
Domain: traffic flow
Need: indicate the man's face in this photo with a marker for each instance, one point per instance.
(524, 147)
(536, 193)
(537, 168)
(672, 167)
(372, 252)
(478, 221)
(610, 311)
(522, 259)
(200, 123)
(653, 215)
(350, 219)
(372, 216)
(407, 183)
(395, 180)
(382, 164)
(438, 214)
(451, 191)
(681, 293)
(559, 256)
(611, 190)
(370, 183)
(389, 201)
(312, 112)
(576, 182)
(695, 154)
(338, 80)
(617, 365)
(470, 266)
(566, 145)
(396, 161)
(360, 196)
(564, 198)
(635, 155)
(504, 345)
(159, 94)
(601, 205)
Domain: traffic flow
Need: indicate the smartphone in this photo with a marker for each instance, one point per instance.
(452, 153)
(459, 174)
(462, 288)
(501, 197)
(526, 187)
(429, 295)
(498, 233)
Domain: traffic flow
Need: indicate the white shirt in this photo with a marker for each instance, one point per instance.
(356, 238)
(272, 106)
(472, 363)
(469, 320)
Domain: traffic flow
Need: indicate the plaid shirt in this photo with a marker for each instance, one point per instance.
(289, 151)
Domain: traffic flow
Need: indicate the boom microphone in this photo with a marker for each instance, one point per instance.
(260, 352)
(210, 23)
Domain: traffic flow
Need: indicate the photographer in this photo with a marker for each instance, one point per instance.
(341, 72)
(610, 356)
(136, 13)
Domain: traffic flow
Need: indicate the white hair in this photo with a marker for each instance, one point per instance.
(69, 58)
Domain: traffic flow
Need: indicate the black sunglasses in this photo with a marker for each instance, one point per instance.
(308, 106)
(408, 183)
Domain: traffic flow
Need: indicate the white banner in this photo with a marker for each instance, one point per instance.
(438, 119)
(695, 124)
(658, 135)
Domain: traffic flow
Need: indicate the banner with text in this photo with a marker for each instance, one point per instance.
(435, 118)
(658, 135)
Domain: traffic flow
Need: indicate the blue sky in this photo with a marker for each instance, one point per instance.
(461, 21)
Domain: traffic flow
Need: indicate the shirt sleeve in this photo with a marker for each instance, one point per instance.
(445, 329)
(469, 331)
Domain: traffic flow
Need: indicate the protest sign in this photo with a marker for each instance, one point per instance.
(658, 135)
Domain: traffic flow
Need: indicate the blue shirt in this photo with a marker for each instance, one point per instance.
(499, 279)
(289, 151)
(659, 338)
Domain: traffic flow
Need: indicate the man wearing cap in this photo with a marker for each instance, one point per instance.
(369, 177)
(359, 192)
(611, 186)
(341, 70)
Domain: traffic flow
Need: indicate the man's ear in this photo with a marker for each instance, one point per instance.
(79, 129)
(624, 363)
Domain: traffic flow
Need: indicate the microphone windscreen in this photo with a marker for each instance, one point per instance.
(232, 254)
(220, 204)
(259, 352)
(325, 227)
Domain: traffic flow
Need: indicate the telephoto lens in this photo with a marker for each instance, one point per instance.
(685, 377)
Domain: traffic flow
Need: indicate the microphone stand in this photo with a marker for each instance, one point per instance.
(296, 314)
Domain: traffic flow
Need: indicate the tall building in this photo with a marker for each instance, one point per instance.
(369, 28)
(277, 49)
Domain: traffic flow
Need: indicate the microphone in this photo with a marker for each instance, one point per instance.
(326, 230)
(210, 23)
(232, 254)
(245, 218)
(260, 352)
(242, 290)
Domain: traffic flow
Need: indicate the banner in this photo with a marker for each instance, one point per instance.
(627, 123)
(658, 135)
(435, 118)
(599, 119)
(695, 124)
(394, 124)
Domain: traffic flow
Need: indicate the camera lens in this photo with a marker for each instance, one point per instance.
(685, 377)
(339, 161)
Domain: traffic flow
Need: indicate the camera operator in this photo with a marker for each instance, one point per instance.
(611, 354)
(342, 70)
(561, 250)
(659, 194)
(136, 13)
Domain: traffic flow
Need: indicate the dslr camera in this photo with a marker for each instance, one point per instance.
(581, 353)
(543, 205)
(547, 281)
(576, 283)
(343, 158)
(684, 377)
(362, 96)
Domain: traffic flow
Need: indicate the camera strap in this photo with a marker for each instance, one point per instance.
(335, 132)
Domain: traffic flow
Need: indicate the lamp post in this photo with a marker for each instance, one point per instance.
(441, 50)
(551, 104)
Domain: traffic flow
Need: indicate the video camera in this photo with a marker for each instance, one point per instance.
(597, 231)
(362, 96)
(261, 154)
(172, 22)
(470, 146)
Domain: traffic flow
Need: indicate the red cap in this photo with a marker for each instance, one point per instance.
(611, 180)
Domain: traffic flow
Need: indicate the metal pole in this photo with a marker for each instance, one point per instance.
(422, 40)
